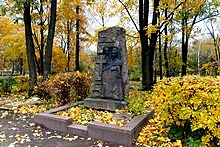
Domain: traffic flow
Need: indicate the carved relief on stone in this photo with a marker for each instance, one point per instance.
(110, 85)
(112, 74)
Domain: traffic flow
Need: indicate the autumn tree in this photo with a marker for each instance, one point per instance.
(29, 47)
(12, 48)
(59, 59)
(72, 29)
(25, 8)
(101, 11)
(65, 26)
(40, 23)
(187, 16)
(207, 57)
(80, 29)
(148, 40)
(212, 25)
(50, 37)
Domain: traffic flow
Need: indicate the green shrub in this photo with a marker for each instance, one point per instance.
(136, 102)
(65, 87)
(22, 83)
(134, 74)
(7, 83)
(190, 107)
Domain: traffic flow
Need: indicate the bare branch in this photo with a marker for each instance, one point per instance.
(36, 40)
(132, 36)
(129, 15)
(170, 16)
(202, 19)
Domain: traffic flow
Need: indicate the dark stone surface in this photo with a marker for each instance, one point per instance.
(124, 135)
(64, 107)
(113, 133)
(110, 77)
(53, 122)
(104, 104)
(122, 116)
(78, 129)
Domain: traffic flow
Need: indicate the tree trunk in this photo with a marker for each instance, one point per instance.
(153, 42)
(30, 48)
(42, 40)
(216, 49)
(160, 58)
(77, 40)
(184, 57)
(13, 68)
(155, 71)
(49, 46)
(143, 22)
(147, 53)
(21, 62)
(186, 32)
(37, 64)
(184, 46)
(68, 46)
(166, 46)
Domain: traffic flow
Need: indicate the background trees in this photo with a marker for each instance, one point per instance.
(12, 50)
(163, 37)
(177, 20)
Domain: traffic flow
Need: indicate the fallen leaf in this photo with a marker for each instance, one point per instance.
(13, 128)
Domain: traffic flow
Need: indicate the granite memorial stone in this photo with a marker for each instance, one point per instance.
(110, 85)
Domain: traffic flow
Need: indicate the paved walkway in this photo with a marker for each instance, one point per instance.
(19, 130)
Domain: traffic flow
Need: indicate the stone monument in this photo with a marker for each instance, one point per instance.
(110, 84)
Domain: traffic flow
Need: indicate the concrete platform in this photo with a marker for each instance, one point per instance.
(124, 135)
(104, 104)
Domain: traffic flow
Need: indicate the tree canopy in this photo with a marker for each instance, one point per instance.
(164, 38)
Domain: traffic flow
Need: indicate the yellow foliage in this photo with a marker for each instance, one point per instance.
(190, 100)
(12, 42)
(211, 68)
(154, 134)
(22, 83)
(151, 29)
(83, 116)
(31, 109)
(177, 143)
(65, 87)
(87, 63)
(187, 112)
(59, 60)
(14, 46)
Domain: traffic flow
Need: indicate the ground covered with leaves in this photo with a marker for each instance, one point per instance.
(81, 115)
(187, 113)
(18, 129)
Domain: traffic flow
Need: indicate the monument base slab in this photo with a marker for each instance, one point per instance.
(104, 104)
(124, 135)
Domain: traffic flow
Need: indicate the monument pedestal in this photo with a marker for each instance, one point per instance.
(104, 104)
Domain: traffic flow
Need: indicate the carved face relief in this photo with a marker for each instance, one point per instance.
(114, 53)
